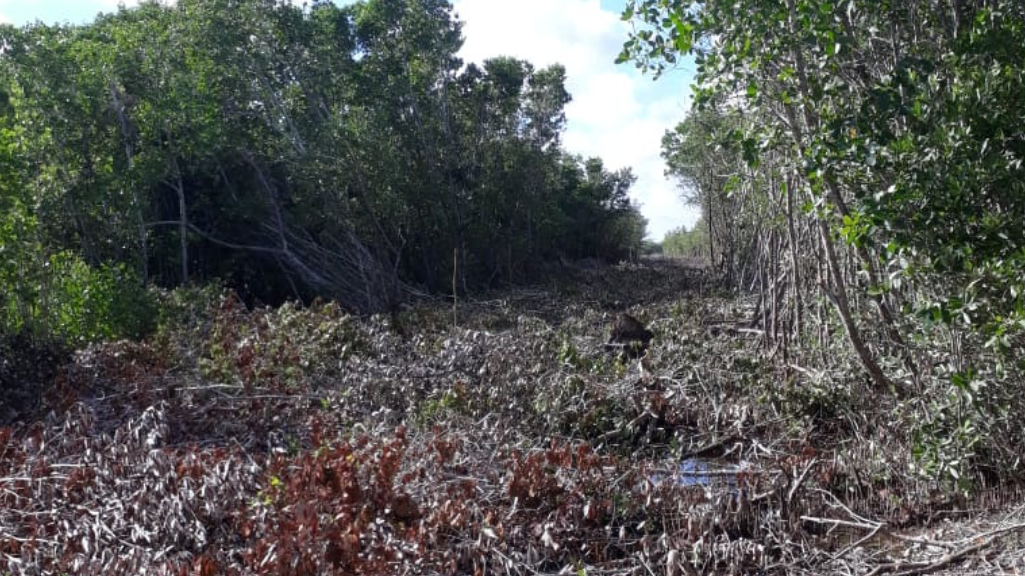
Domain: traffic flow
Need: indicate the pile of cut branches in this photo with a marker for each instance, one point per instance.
(301, 440)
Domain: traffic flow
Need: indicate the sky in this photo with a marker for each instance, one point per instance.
(617, 113)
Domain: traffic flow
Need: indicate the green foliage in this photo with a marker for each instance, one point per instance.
(60, 296)
(926, 149)
(706, 153)
(431, 410)
(569, 355)
(571, 358)
(947, 440)
(283, 347)
(187, 307)
(822, 402)
(293, 152)
(649, 248)
(691, 243)
(897, 127)
(89, 304)
(49, 291)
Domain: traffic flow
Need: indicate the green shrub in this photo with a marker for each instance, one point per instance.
(60, 296)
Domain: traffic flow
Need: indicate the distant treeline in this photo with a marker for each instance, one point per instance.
(692, 243)
(342, 152)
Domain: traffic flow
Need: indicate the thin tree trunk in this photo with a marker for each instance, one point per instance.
(126, 134)
(709, 216)
(839, 300)
(792, 233)
(183, 218)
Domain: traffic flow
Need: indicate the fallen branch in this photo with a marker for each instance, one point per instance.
(837, 522)
(917, 568)
(858, 543)
(800, 480)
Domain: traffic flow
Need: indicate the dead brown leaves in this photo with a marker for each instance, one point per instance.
(304, 441)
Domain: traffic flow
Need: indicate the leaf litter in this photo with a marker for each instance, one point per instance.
(501, 437)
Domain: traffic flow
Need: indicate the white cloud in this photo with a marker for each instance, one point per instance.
(4, 19)
(615, 114)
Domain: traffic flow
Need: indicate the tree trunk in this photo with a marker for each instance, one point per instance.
(839, 300)
(126, 133)
(183, 219)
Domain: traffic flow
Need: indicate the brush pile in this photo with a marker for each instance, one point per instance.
(306, 441)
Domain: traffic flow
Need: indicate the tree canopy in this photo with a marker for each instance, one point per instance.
(290, 152)
(862, 161)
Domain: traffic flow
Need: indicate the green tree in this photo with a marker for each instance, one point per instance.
(342, 152)
(878, 147)
(683, 243)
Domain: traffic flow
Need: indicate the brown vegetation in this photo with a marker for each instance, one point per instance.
(629, 336)
(306, 441)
